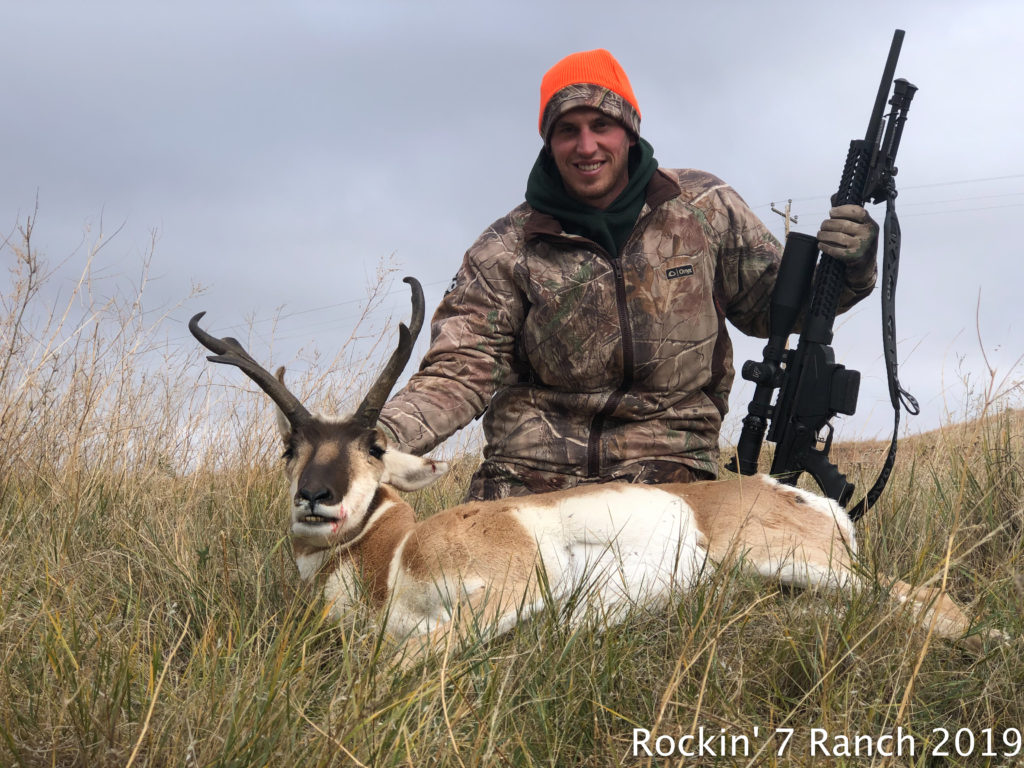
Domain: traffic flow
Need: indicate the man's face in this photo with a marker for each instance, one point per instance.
(591, 151)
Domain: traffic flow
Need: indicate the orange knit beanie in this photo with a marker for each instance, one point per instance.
(588, 79)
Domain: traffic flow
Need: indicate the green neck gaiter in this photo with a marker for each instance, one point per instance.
(608, 228)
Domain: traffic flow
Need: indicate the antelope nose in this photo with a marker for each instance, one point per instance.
(314, 496)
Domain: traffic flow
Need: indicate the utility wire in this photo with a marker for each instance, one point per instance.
(334, 321)
(912, 186)
(961, 199)
(339, 321)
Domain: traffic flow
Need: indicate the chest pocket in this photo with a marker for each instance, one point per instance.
(671, 307)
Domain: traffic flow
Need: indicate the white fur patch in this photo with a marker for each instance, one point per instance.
(342, 590)
(416, 606)
(309, 565)
(356, 502)
(626, 546)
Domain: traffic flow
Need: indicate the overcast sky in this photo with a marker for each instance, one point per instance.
(281, 151)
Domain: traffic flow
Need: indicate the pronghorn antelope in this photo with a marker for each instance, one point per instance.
(616, 544)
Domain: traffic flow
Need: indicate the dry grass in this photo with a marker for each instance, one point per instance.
(150, 614)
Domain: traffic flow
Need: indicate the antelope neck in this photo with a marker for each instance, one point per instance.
(387, 521)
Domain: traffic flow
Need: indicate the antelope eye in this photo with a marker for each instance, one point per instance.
(376, 451)
(289, 453)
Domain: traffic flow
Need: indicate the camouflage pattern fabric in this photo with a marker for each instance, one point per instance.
(587, 367)
(594, 96)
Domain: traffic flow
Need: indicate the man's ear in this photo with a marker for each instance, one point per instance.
(410, 473)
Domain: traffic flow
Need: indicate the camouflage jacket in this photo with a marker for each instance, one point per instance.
(588, 367)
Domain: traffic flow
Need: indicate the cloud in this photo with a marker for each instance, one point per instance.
(282, 150)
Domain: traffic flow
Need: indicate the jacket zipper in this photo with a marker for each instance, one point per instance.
(628, 363)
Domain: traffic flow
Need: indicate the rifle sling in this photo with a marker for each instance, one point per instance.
(897, 395)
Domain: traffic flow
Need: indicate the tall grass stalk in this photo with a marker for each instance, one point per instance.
(150, 614)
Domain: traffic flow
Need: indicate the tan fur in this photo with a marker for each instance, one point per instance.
(328, 452)
(742, 516)
(484, 557)
(376, 549)
(481, 539)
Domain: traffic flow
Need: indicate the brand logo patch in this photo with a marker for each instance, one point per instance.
(683, 271)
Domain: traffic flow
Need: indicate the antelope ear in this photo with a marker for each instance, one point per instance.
(284, 428)
(410, 473)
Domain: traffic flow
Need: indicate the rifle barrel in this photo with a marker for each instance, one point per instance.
(871, 135)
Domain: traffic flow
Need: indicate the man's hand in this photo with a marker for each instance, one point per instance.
(849, 234)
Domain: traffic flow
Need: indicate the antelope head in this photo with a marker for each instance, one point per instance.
(336, 465)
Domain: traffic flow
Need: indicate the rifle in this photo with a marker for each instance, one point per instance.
(813, 388)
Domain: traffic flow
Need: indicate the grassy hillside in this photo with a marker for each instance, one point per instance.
(150, 614)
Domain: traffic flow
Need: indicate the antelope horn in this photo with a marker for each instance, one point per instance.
(374, 400)
(229, 351)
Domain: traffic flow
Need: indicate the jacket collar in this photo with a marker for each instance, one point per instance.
(660, 189)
